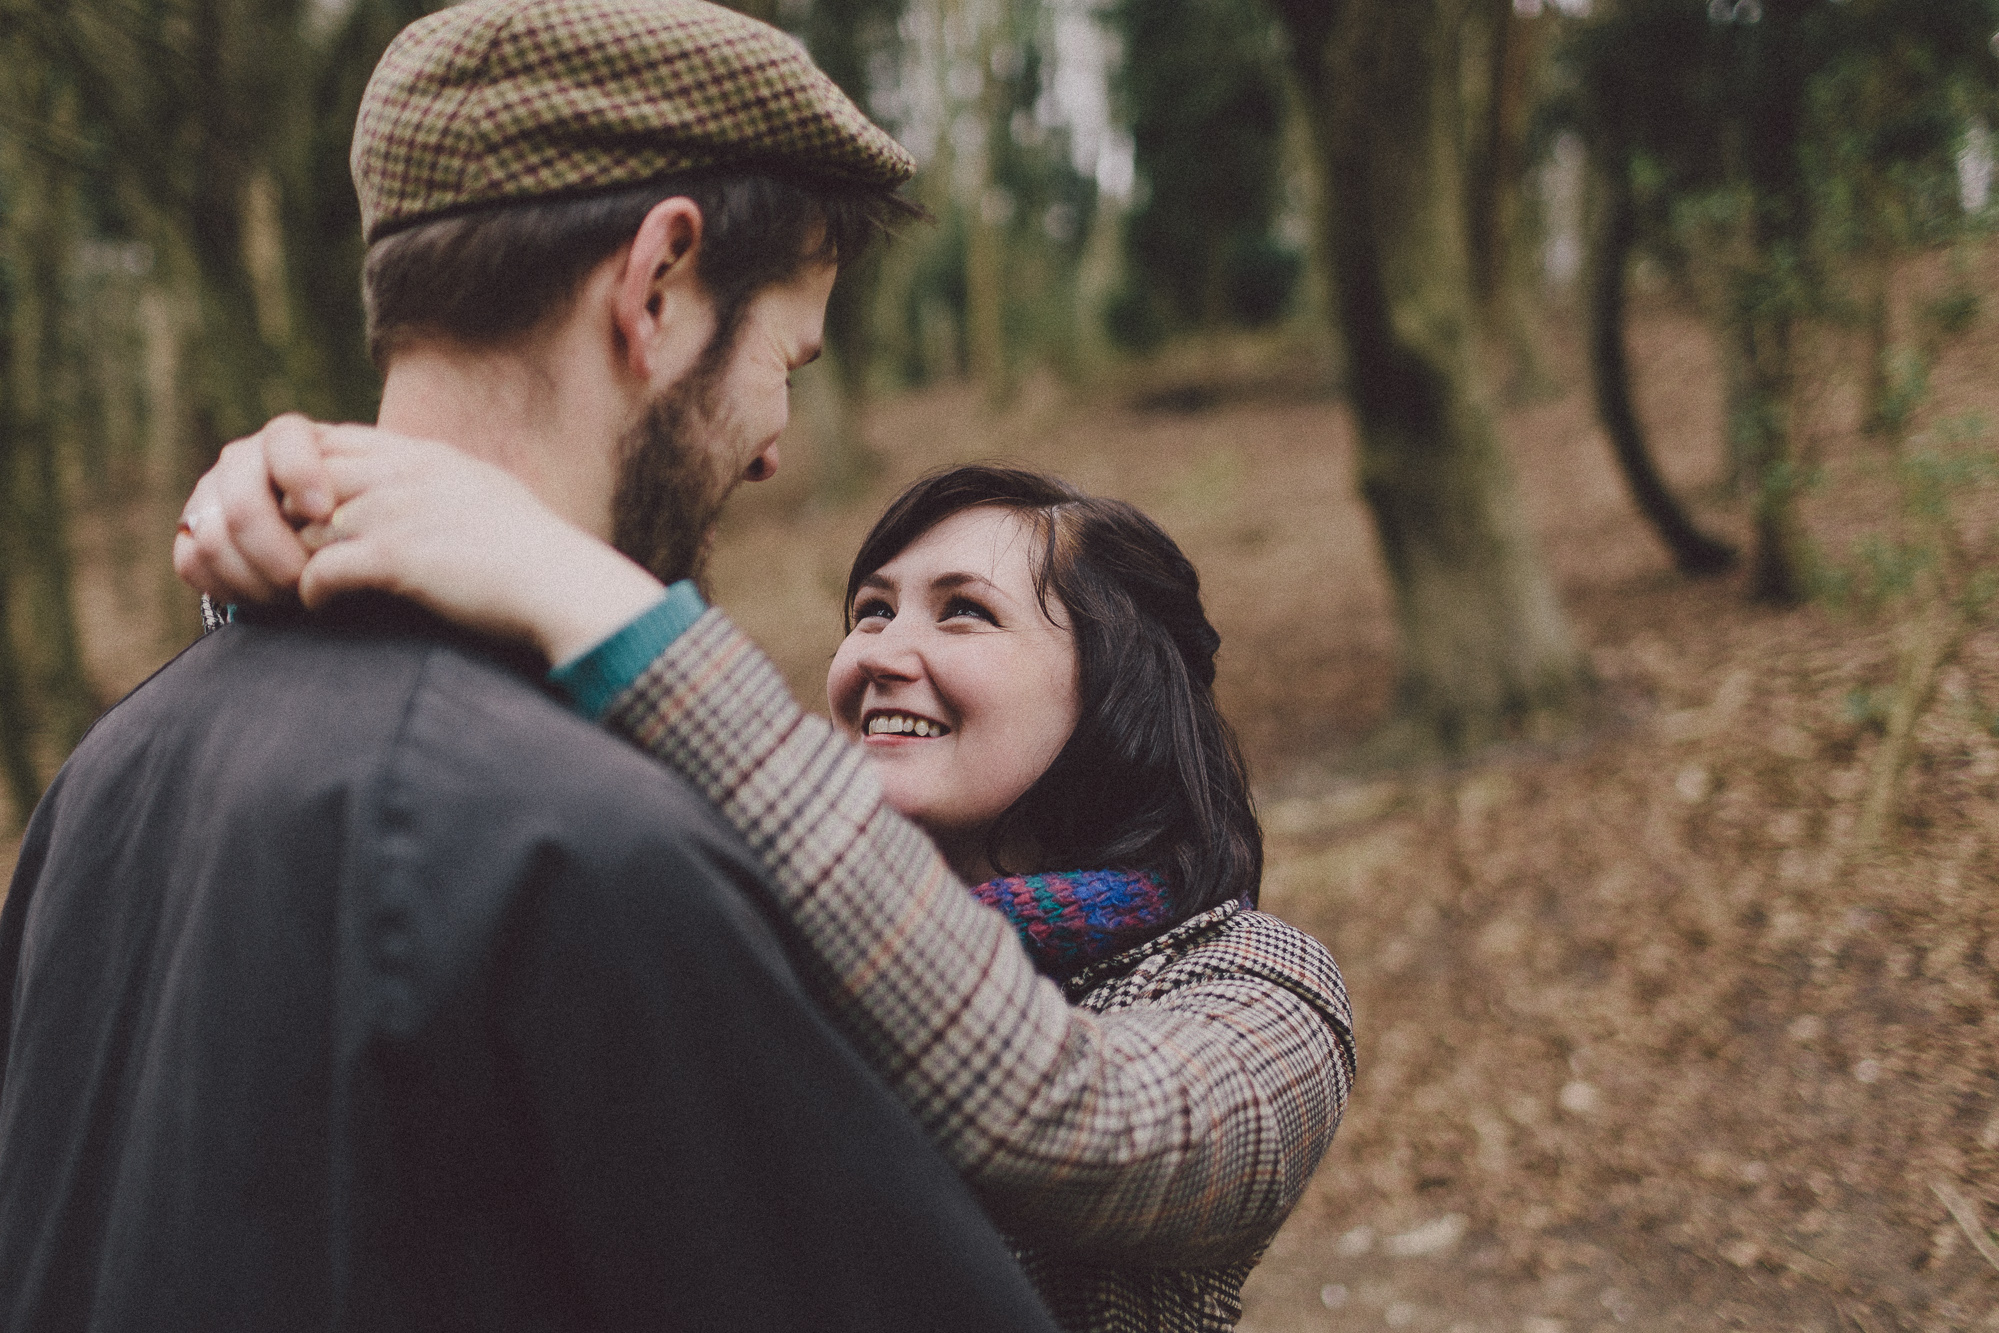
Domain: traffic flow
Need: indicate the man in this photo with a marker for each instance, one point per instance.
(350, 980)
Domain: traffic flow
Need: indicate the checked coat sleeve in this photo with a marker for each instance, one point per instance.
(1173, 1133)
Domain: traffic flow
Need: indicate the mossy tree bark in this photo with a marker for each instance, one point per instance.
(1486, 649)
(1505, 65)
(17, 713)
(47, 691)
(1766, 344)
(1612, 240)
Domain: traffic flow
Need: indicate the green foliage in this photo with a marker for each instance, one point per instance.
(1770, 142)
(1954, 312)
(857, 43)
(1014, 214)
(216, 131)
(1044, 204)
(179, 248)
(1885, 112)
(1932, 573)
(1203, 90)
(1938, 479)
(1867, 708)
(1812, 122)
(1905, 376)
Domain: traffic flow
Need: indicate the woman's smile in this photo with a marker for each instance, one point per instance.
(891, 726)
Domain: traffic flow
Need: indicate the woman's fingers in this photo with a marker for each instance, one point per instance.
(297, 468)
(343, 567)
(357, 476)
(464, 537)
(206, 559)
(351, 440)
(232, 542)
(412, 512)
(224, 574)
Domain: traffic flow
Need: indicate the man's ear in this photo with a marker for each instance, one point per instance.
(660, 304)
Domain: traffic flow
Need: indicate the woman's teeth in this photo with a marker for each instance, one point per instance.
(902, 724)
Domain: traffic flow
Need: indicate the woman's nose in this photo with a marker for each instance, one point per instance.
(889, 654)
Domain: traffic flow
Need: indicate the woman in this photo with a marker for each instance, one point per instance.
(1030, 673)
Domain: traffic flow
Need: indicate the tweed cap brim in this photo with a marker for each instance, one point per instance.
(494, 101)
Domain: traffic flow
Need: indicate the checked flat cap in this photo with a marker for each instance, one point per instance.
(493, 101)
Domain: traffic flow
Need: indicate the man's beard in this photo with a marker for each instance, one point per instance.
(669, 494)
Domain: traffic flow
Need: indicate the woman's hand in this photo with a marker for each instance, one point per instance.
(234, 542)
(327, 510)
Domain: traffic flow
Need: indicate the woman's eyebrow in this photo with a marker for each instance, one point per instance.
(946, 582)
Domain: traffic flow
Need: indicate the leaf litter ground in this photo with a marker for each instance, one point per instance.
(1640, 1049)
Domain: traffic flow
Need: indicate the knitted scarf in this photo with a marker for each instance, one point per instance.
(1070, 919)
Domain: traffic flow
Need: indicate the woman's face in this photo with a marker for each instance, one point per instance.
(960, 687)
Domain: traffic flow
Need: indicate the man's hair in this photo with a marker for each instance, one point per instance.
(488, 277)
(1151, 778)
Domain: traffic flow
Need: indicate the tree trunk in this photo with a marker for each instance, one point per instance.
(1514, 51)
(1882, 416)
(1776, 571)
(1694, 552)
(985, 319)
(35, 229)
(1489, 164)
(1486, 649)
(17, 720)
(845, 463)
(17, 726)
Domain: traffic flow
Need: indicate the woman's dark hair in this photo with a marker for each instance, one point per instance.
(1152, 778)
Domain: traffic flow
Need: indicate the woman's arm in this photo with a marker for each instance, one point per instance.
(1174, 1133)
(1178, 1133)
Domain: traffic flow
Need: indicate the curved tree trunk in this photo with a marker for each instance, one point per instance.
(1486, 649)
(1694, 552)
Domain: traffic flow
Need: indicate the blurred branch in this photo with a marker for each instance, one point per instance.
(1611, 243)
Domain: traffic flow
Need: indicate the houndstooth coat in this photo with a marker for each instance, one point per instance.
(1143, 1136)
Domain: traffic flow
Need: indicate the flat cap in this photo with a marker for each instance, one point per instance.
(493, 101)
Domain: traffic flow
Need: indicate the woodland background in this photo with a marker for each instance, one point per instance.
(1579, 414)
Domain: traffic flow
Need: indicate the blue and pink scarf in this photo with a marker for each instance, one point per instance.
(1072, 918)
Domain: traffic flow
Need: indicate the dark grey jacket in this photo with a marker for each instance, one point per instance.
(348, 981)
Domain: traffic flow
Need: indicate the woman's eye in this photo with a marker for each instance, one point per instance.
(961, 606)
(873, 609)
